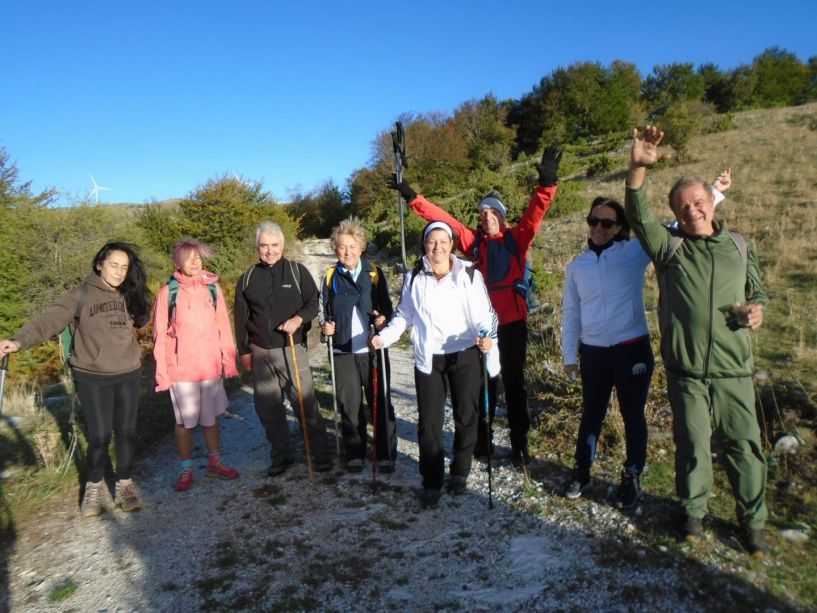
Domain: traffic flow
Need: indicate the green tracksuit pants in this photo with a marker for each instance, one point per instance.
(728, 405)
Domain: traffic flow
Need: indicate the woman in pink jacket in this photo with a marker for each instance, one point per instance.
(193, 346)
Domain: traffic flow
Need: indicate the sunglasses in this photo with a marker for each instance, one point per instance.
(605, 223)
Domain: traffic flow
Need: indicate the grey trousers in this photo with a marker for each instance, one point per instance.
(273, 372)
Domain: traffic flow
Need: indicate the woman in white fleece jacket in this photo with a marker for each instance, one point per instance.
(604, 322)
(445, 302)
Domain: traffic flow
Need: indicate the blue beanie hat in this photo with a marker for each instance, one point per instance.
(492, 202)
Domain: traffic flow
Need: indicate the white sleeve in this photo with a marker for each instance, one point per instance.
(403, 316)
(717, 195)
(571, 319)
(482, 307)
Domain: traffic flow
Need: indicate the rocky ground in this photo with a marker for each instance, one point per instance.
(334, 543)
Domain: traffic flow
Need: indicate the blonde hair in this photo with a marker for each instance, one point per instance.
(352, 227)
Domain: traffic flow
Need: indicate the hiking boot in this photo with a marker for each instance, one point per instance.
(219, 471)
(385, 466)
(430, 498)
(578, 481)
(520, 457)
(127, 496)
(323, 466)
(629, 492)
(355, 465)
(97, 498)
(185, 480)
(756, 543)
(457, 484)
(693, 529)
(279, 466)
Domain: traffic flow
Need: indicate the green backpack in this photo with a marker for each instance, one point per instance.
(173, 292)
(66, 337)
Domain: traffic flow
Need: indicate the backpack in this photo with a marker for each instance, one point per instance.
(676, 241)
(374, 275)
(296, 274)
(173, 292)
(526, 286)
(66, 336)
(419, 266)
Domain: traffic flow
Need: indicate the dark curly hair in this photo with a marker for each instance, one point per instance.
(134, 288)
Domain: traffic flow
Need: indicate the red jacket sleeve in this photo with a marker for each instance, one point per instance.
(531, 221)
(431, 212)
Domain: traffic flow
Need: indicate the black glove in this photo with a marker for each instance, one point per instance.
(549, 166)
(402, 187)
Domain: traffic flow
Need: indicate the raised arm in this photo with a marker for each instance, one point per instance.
(431, 212)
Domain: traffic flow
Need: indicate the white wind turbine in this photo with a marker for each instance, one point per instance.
(94, 193)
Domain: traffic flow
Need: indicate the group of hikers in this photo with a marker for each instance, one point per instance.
(467, 318)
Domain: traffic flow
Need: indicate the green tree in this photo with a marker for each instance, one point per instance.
(320, 210)
(778, 79)
(683, 120)
(670, 83)
(17, 205)
(481, 123)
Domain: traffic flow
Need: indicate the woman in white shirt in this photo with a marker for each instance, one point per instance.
(604, 322)
(445, 302)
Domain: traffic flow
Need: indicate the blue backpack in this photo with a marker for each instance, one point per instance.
(526, 286)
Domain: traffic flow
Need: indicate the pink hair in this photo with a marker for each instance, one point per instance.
(183, 248)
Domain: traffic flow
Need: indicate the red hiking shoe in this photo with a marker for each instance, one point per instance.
(185, 480)
(219, 471)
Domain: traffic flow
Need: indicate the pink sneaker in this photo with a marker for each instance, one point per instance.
(184, 481)
(219, 471)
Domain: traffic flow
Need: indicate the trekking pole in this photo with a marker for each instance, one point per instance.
(386, 405)
(374, 418)
(334, 393)
(398, 141)
(301, 404)
(4, 367)
(486, 420)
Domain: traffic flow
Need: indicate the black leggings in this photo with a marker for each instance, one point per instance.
(110, 405)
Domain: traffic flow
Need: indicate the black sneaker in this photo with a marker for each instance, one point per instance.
(520, 458)
(324, 466)
(279, 466)
(355, 465)
(457, 484)
(693, 529)
(578, 481)
(385, 466)
(430, 498)
(756, 543)
(629, 492)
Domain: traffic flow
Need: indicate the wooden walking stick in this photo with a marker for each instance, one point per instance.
(301, 405)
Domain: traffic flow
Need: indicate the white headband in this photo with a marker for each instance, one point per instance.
(437, 225)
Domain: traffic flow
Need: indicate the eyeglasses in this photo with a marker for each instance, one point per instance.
(605, 223)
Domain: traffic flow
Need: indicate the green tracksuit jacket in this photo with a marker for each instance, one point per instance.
(698, 286)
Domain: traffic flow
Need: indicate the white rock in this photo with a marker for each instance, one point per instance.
(794, 536)
(787, 444)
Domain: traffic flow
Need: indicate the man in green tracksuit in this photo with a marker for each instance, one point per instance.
(710, 297)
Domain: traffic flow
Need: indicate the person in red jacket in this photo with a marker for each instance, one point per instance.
(193, 346)
(500, 251)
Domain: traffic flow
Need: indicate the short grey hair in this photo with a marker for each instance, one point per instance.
(683, 183)
(269, 227)
(351, 227)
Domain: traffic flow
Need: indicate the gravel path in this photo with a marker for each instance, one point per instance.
(331, 543)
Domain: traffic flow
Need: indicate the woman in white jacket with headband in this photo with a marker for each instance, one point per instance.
(445, 302)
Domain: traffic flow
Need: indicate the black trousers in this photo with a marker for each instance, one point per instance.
(110, 405)
(628, 368)
(513, 352)
(461, 373)
(353, 379)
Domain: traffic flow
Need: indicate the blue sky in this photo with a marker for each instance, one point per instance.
(154, 98)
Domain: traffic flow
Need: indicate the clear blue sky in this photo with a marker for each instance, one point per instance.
(153, 98)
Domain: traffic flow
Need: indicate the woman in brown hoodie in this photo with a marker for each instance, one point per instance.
(106, 362)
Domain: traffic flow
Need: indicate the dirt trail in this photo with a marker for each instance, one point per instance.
(330, 543)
